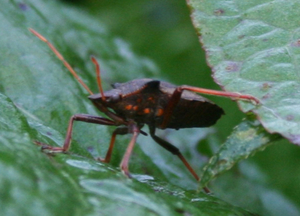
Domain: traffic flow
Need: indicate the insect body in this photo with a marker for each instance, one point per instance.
(145, 101)
(139, 102)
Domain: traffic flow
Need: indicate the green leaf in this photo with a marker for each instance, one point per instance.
(246, 139)
(38, 96)
(253, 48)
(31, 184)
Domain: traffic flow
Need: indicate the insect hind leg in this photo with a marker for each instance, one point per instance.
(175, 98)
(174, 150)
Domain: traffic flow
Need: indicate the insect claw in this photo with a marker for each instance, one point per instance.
(46, 147)
(38, 143)
(252, 99)
(126, 172)
(255, 101)
(101, 160)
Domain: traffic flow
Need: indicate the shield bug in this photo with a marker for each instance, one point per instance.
(131, 105)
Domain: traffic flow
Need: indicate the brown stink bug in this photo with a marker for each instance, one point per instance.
(158, 104)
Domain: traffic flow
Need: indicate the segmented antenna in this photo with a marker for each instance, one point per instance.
(98, 77)
(67, 65)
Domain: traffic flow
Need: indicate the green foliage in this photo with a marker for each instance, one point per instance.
(38, 96)
(255, 51)
(246, 139)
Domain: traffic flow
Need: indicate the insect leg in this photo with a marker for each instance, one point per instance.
(77, 117)
(179, 90)
(135, 130)
(174, 150)
(117, 131)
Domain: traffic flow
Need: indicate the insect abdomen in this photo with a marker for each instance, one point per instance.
(188, 114)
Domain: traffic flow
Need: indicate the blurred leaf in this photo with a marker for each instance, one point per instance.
(250, 188)
(246, 139)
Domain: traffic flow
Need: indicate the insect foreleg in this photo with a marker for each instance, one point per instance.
(77, 117)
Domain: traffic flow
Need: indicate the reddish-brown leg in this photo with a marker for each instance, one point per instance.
(172, 104)
(134, 129)
(174, 150)
(77, 117)
(178, 92)
(117, 131)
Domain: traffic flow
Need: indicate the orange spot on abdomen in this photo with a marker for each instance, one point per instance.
(159, 112)
(147, 110)
(128, 107)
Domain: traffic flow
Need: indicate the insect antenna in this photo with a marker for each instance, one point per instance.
(98, 77)
(67, 65)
